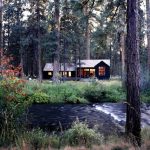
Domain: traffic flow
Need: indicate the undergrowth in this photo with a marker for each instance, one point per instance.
(79, 136)
(13, 102)
(74, 92)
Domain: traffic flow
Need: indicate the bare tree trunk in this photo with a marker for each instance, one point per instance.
(87, 33)
(39, 45)
(122, 50)
(133, 119)
(39, 62)
(64, 60)
(148, 32)
(20, 41)
(1, 40)
(57, 50)
(79, 60)
(22, 66)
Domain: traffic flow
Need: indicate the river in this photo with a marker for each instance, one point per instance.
(108, 118)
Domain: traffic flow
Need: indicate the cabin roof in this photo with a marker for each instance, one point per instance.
(68, 67)
(71, 67)
(92, 63)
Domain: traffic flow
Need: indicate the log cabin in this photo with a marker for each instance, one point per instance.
(99, 68)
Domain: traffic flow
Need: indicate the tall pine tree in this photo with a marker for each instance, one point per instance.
(133, 119)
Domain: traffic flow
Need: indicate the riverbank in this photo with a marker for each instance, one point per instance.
(109, 118)
(50, 126)
(60, 117)
(53, 108)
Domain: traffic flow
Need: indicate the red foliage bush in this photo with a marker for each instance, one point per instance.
(6, 68)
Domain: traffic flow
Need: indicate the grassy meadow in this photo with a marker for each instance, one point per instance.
(75, 92)
(17, 95)
(78, 137)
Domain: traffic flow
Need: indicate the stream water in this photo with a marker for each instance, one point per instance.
(109, 118)
(118, 112)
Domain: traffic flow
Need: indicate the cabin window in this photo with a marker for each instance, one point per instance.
(86, 70)
(86, 73)
(65, 73)
(69, 74)
(102, 71)
(92, 72)
(50, 73)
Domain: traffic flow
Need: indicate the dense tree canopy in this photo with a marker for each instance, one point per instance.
(93, 29)
(35, 32)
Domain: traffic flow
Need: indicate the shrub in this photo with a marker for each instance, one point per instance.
(12, 106)
(15, 98)
(39, 98)
(37, 139)
(54, 93)
(145, 96)
(76, 92)
(95, 93)
(8, 129)
(99, 92)
(115, 95)
(55, 141)
(73, 99)
(146, 134)
(80, 134)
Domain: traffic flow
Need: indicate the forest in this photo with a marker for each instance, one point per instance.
(87, 30)
(75, 74)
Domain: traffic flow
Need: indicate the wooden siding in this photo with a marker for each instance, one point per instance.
(107, 71)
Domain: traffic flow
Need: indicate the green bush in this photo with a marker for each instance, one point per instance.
(75, 92)
(80, 134)
(8, 127)
(55, 141)
(37, 139)
(66, 93)
(94, 93)
(146, 134)
(39, 98)
(12, 105)
(73, 99)
(102, 93)
(115, 95)
(145, 96)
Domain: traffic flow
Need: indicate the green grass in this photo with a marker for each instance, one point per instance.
(145, 96)
(37, 139)
(69, 92)
(19, 95)
(75, 92)
(79, 135)
(53, 93)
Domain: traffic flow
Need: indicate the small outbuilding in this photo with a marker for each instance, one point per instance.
(99, 68)
(68, 67)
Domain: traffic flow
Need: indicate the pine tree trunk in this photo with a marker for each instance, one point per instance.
(87, 42)
(56, 55)
(148, 32)
(133, 119)
(39, 63)
(39, 45)
(87, 33)
(122, 49)
(1, 40)
(64, 59)
(20, 42)
(22, 66)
